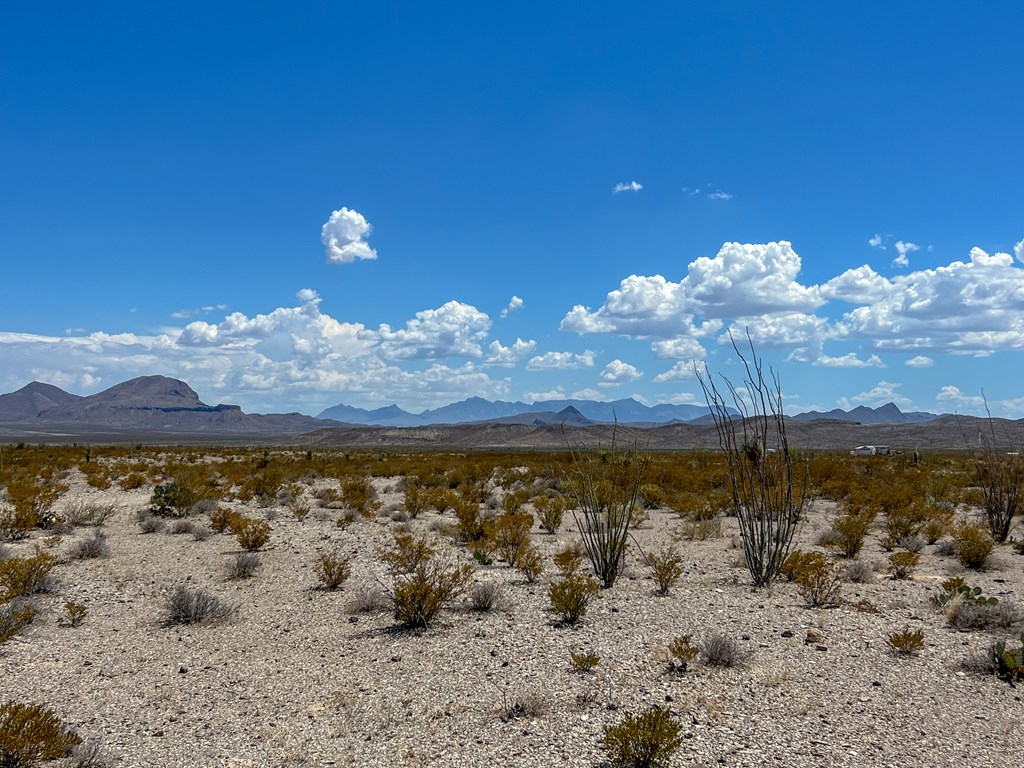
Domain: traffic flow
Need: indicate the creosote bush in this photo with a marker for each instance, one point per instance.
(23, 576)
(550, 509)
(423, 581)
(972, 546)
(819, 580)
(903, 564)
(530, 563)
(570, 595)
(30, 733)
(666, 568)
(683, 653)
(332, 568)
(645, 740)
(584, 661)
(195, 606)
(509, 534)
(14, 617)
(75, 613)
(252, 534)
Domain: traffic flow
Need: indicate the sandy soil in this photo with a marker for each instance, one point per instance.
(296, 679)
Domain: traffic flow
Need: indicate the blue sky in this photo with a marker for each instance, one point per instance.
(295, 205)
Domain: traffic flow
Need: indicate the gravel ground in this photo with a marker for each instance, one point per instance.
(297, 679)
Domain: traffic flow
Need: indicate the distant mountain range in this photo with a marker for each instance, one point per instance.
(582, 412)
(158, 405)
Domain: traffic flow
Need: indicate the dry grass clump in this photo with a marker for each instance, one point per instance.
(195, 606)
(529, 703)
(91, 548)
(150, 523)
(243, 565)
(718, 650)
(86, 514)
(487, 596)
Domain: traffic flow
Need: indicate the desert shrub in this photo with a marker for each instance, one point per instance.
(646, 740)
(529, 703)
(332, 568)
(471, 524)
(486, 596)
(550, 509)
(417, 499)
(530, 563)
(221, 518)
(718, 650)
(358, 494)
(30, 733)
(14, 617)
(818, 580)
(605, 486)
(906, 642)
(201, 532)
(84, 514)
(972, 546)
(75, 613)
(243, 565)
(966, 608)
(180, 527)
(88, 754)
(509, 533)
(666, 568)
(150, 523)
(23, 576)
(850, 529)
(407, 552)
(195, 606)
(93, 547)
(368, 599)
(859, 572)
(683, 653)
(939, 522)
(252, 534)
(999, 474)
(30, 504)
(584, 661)
(903, 564)
(132, 481)
(418, 597)
(571, 594)
(178, 497)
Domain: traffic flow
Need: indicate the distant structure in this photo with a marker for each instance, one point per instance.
(870, 450)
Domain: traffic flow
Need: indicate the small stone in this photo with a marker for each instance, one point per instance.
(787, 633)
(182, 670)
(814, 636)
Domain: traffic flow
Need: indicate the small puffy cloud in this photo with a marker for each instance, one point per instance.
(681, 371)
(877, 241)
(556, 361)
(452, 330)
(1018, 250)
(903, 248)
(344, 237)
(627, 186)
(616, 373)
(920, 361)
(720, 195)
(684, 347)
(849, 361)
(949, 395)
(514, 304)
(507, 357)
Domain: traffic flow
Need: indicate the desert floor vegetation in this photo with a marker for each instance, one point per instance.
(199, 651)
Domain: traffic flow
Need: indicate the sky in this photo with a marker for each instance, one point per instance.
(296, 205)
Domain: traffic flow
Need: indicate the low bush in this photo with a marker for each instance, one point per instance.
(683, 653)
(645, 740)
(421, 589)
(849, 531)
(23, 576)
(859, 572)
(584, 662)
(530, 703)
(972, 546)
(530, 563)
(150, 524)
(252, 534)
(75, 613)
(1008, 662)
(906, 642)
(84, 514)
(30, 733)
(180, 527)
(407, 552)
(486, 596)
(666, 568)
(91, 548)
(243, 565)
(332, 568)
(550, 509)
(903, 564)
(819, 580)
(195, 606)
(14, 617)
(509, 533)
(571, 594)
(718, 650)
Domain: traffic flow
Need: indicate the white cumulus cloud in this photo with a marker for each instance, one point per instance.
(551, 361)
(507, 357)
(616, 373)
(920, 361)
(627, 186)
(877, 241)
(903, 248)
(681, 371)
(849, 360)
(452, 330)
(344, 237)
(514, 304)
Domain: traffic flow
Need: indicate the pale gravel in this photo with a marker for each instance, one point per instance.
(295, 680)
